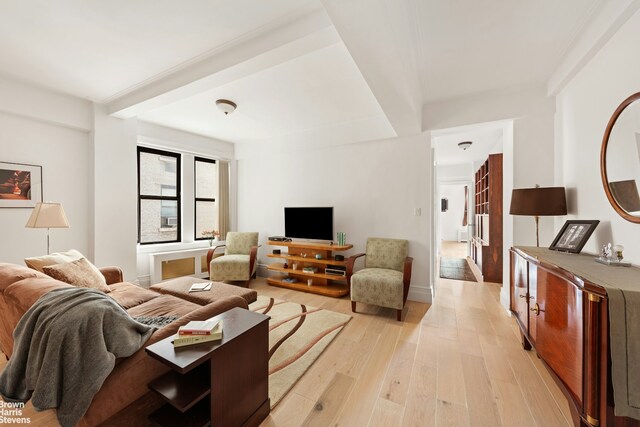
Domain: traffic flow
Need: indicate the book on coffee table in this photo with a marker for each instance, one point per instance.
(200, 287)
(199, 327)
(186, 340)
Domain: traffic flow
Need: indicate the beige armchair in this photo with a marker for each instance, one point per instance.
(386, 277)
(238, 261)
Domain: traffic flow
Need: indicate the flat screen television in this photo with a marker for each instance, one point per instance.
(308, 223)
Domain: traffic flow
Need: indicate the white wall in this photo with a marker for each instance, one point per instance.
(533, 164)
(451, 220)
(460, 172)
(89, 165)
(532, 153)
(51, 130)
(373, 186)
(115, 192)
(584, 108)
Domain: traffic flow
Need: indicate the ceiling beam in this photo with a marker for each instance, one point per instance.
(381, 37)
(270, 46)
(603, 23)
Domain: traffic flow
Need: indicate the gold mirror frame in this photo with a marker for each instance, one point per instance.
(603, 158)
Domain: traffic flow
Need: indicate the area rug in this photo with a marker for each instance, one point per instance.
(298, 334)
(456, 269)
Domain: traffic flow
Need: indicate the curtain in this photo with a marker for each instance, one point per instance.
(223, 198)
(465, 218)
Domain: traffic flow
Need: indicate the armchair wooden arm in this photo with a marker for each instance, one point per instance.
(210, 257)
(350, 264)
(406, 277)
(252, 258)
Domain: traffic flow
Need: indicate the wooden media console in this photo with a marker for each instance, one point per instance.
(303, 255)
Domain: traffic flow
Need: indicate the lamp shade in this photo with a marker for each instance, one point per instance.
(48, 215)
(539, 201)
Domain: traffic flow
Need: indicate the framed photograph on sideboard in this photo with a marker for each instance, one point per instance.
(20, 185)
(573, 235)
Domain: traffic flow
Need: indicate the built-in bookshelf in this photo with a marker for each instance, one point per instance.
(486, 244)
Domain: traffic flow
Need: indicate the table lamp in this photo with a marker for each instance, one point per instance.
(537, 202)
(48, 215)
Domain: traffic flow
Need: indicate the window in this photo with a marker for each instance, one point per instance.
(206, 193)
(158, 196)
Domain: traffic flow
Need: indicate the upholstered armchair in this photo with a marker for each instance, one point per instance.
(386, 277)
(238, 261)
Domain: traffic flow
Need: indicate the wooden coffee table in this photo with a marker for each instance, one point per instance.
(223, 383)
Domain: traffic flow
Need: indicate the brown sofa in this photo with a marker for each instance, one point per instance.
(20, 287)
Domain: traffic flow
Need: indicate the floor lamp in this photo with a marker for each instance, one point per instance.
(537, 202)
(48, 215)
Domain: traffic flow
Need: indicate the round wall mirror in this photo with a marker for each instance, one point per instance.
(620, 159)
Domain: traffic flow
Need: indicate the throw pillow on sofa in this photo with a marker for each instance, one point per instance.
(38, 263)
(77, 273)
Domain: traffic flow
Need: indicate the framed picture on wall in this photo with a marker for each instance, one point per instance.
(573, 235)
(20, 185)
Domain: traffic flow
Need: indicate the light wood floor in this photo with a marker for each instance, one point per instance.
(453, 249)
(457, 362)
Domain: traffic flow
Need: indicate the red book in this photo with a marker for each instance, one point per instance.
(199, 327)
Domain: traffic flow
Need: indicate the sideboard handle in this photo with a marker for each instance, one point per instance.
(536, 310)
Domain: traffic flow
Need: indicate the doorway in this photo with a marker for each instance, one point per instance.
(458, 153)
(453, 232)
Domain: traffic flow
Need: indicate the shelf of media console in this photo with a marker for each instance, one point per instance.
(332, 289)
(299, 272)
(308, 259)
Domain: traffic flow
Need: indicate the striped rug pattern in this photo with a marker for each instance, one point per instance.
(298, 334)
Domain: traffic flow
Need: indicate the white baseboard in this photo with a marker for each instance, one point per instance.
(505, 299)
(475, 270)
(420, 294)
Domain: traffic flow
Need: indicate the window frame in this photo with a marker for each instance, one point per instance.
(196, 199)
(177, 198)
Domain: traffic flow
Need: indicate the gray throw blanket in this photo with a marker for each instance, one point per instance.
(65, 346)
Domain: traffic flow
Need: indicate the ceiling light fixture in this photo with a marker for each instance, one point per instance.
(465, 144)
(226, 106)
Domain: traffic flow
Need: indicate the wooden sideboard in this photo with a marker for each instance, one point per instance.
(564, 318)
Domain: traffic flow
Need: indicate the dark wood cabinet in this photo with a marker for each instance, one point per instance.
(564, 318)
(486, 244)
(218, 383)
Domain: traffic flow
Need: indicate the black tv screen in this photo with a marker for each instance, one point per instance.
(308, 223)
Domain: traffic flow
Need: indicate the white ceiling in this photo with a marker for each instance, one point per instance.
(486, 139)
(466, 47)
(313, 70)
(96, 49)
(317, 90)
